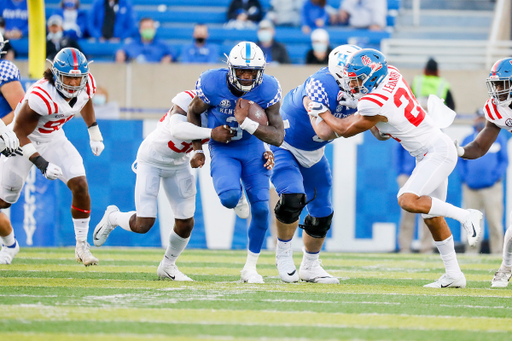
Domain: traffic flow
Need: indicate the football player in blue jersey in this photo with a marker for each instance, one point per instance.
(11, 93)
(302, 176)
(218, 92)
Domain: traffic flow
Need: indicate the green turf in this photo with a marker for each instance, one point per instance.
(46, 295)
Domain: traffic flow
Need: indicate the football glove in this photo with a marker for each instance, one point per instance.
(460, 150)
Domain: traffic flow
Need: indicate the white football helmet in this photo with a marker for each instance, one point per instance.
(337, 60)
(246, 56)
(2, 43)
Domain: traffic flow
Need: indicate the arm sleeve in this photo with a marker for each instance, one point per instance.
(183, 130)
(8, 72)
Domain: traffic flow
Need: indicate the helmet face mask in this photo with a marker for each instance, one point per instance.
(2, 44)
(244, 57)
(499, 83)
(364, 71)
(70, 63)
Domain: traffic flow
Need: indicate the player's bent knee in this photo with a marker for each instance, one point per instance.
(79, 186)
(184, 227)
(407, 201)
(259, 210)
(4, 204)
(317, 227)
(230, 198)
(289, 207)
(143, 225)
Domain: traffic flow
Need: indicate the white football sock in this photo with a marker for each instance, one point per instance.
(444, 209)
(447, 251)
(310, 257)
(252, 259)
(81, 228)
(283, 245)
(176, 246)
(9, 239)
(121, 219)
(507, 249)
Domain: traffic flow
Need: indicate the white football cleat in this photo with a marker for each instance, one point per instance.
(242, 208)
(473, 226)
(285, 266)
(312, 271)
(251, 276)
(84, 255)
(7, 254)
(446, 281)
(104, 227)
(170, 271)
(501, 279)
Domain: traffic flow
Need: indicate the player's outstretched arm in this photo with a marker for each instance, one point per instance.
(273, 133)
(195, 109)
(25, 124)
(351, 125)
(482, 142)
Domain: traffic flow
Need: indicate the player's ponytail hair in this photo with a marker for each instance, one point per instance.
(48, 75)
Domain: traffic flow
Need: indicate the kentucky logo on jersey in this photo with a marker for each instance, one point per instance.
(225, 103)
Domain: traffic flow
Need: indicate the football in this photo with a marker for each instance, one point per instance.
(256, 113)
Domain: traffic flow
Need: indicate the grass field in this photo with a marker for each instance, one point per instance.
(46, 295)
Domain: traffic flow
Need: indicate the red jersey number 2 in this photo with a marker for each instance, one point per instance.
(411, 104)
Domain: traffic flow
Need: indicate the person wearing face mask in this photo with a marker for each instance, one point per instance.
(274, 51)
(111, 20)
(146, 49)
(320, 48)
(105, 109)
(200, 51)
(482, 183)
(74, 19)
(55, 40)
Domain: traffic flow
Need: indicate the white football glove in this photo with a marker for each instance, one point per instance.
(97, 145)
(460, 150)
(315, 109)
(349, 102)
(52, 172)
(10, 141)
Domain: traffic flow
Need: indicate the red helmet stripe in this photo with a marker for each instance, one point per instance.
(75, 61)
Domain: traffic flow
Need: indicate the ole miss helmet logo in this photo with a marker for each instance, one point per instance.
(367, 61)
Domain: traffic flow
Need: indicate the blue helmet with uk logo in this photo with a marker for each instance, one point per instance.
(499, 83)
(369, 67)
(70, 62)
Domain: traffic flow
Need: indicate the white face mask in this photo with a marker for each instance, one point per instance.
(265, 36)
(99, 99)
(320, 47)
(55, 36)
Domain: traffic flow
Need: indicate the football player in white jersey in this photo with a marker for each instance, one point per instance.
(498, 112)
(11, 93)
(65, 90)
(163, 156)
(389, 109)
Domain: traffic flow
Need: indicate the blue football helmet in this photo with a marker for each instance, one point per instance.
(499, 83)
(246, 56)
(369, 67)
(70, 62)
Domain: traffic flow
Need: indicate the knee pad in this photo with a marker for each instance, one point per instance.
(317, 227)
(289, 207)
(230, 198)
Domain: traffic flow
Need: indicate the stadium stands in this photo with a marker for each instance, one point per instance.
(177, 18)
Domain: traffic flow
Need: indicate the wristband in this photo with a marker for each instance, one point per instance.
(40, 163)
(94, 133)
(29, 150)
(249, 125)
(198, 151)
